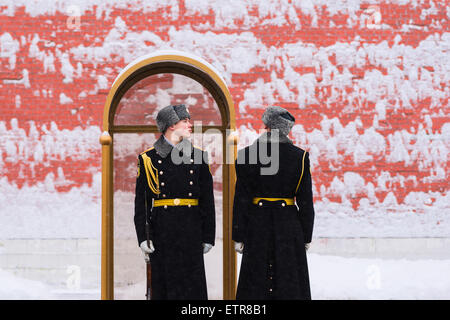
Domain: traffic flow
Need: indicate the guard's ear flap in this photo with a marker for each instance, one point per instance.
(287, 116)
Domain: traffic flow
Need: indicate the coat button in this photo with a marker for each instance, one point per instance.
(176, 201)
(165, 207)
(189, 205)
(260, 204)
(164, 196)
(190, 194)
(161, 172)
(162, 184)
(270, 289)
(283, 204)
(191, 172)
(159, 161)
(191, 183)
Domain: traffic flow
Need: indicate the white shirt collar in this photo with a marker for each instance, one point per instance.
(168, 141)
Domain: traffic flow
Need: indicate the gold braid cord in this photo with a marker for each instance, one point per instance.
(152, 174)
(303, 169)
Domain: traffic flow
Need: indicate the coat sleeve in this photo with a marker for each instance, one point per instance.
(140, 205)
(206, 203)
(241, 204)
(304, 199)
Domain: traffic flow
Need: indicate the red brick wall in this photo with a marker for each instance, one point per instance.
(371, 101)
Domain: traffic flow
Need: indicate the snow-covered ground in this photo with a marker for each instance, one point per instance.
(13, 287)
(332, 277)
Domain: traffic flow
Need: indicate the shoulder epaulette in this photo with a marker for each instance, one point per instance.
(147, 150)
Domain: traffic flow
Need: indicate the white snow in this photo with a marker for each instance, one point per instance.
(55, 143)
(25, 81)
(334, 277)
(420, 215)
(8, 49)
(67, 68)
(102, 82)
(15, 288)
(428, 150)
(270, 12)
(63, 99)
(273, 11)
(331, 277)
(405, 87)
(18, 101)
(45, 56)
(39, 211)
(186, 54)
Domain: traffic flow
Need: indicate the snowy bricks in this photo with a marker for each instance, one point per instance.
(366, 85)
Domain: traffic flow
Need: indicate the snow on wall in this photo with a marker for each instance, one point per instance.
(367, 81)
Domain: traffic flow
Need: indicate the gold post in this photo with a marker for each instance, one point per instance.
(107, 245)
(197, 70)
(229, 255)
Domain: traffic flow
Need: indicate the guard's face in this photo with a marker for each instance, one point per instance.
(183, 128)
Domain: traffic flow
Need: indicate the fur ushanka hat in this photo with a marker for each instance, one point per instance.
(278, 118)
(170, 115)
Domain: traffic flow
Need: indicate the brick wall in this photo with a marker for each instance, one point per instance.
(367, 83)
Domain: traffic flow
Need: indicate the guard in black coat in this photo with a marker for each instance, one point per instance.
(273, 214)
(174, 184)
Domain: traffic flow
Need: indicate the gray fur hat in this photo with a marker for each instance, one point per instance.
(170, 115)
(278, 118)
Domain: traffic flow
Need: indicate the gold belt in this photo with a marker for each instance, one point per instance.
(288, 201)
(175, 202)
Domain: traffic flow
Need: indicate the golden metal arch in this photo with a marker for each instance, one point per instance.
(201, 71)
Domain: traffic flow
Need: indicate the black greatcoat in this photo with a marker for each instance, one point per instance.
(274, 264)
(177, 232)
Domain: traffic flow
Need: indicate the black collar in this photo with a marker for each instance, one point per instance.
(267, 137)
(164, 148)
